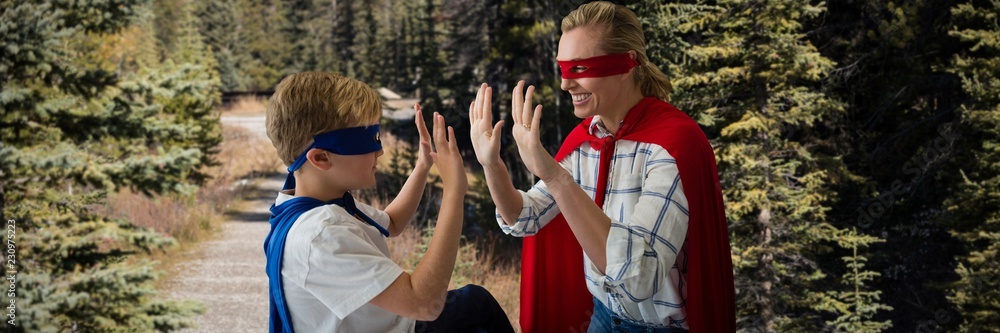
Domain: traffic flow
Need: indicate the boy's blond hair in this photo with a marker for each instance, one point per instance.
(310, 103)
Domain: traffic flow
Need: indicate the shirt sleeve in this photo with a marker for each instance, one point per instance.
(378, 215)
(538, 207)
(642, 250)
(346, 270)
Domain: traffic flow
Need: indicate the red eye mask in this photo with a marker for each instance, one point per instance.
(600, 66)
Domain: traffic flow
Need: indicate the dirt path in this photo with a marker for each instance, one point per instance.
(226, 273)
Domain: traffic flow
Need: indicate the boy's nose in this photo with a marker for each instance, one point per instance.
(379, 153)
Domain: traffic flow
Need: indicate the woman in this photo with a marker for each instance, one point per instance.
(656, 247)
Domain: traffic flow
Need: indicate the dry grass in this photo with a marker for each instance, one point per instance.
(174, 215)
(189, 218)
(242, 155)
(472, 266)
(245, 106)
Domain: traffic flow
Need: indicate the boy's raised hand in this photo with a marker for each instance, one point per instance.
(424, 159)
(447, 157)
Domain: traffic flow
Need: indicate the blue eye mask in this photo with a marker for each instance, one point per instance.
(346, 141)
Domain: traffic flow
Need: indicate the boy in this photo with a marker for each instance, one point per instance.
(327, 259)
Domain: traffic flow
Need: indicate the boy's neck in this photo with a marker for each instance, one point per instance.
(307, 187)
(324, 197)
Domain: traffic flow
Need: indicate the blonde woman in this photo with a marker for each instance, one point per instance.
(634, 188)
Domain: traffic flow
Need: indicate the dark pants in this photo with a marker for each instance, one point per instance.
(468, 309)
(604, 321)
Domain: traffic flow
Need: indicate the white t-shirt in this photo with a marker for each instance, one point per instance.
(333, 266)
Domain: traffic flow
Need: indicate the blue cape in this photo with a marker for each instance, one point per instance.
(348, 141)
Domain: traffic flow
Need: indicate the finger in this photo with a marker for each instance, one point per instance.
(526, 117)
(487, 112)
(537, 120)
(478, 104)
(439, 136)
(452, 143)
(421, 125)
(515, 104)
(496, 130)
(472, 114)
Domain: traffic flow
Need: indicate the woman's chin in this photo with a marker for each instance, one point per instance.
(582, 113)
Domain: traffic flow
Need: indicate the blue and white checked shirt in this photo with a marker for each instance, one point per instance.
(649, 220)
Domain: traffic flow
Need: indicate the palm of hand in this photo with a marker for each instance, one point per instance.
(484, 134)
(527, 129)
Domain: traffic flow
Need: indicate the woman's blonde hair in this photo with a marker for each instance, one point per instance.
(310, 103)
(621, 32)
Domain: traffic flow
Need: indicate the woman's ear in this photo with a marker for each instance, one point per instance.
(631, 71)
(319, 158)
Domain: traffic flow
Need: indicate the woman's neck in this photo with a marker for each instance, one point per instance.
(614, 118)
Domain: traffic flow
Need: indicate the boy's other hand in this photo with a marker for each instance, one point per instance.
(424, 159)
(447, 157)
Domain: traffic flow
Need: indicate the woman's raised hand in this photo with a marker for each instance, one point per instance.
(484, 134)
(526, 133)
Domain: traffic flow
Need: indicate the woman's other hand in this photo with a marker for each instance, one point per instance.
(484, 134)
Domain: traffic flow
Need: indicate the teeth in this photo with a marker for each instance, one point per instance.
(580, 97)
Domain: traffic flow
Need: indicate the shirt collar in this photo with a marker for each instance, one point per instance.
(598, 129)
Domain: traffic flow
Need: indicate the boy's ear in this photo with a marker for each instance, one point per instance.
(319, 159)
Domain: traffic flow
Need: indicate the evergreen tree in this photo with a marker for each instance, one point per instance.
(430, 65)
(745, 70)
(367, 67)
(74, 129)
(976, 206)
(223, 30)
(191, 77)
(343, 41)
(904, 144)
(166, 14)
(856, 306)
(270, 49)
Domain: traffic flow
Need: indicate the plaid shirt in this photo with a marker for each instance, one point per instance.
(649, 219)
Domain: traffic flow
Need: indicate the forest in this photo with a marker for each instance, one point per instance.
(857, 141)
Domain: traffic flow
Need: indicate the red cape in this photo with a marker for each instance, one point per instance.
(554, 297)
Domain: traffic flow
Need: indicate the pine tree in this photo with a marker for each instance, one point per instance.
(857, 306)
(270, 49)
(343, 36)
(903, 140)
(166, 14)
(368, 67)
(430, 66)
(223, 30)
(72, 130)
(745, 70)
(191, 77)
(976, 206)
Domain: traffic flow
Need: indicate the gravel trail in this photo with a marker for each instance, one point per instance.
(226, 273)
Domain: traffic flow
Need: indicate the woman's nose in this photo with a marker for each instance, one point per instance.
(566, 84)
